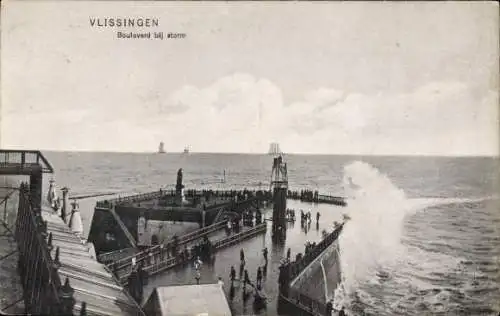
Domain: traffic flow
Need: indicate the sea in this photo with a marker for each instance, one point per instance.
(423, 236)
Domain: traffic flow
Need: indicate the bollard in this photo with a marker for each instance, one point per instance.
(83, 309)
(66, 298)
(57, 263)
(49, 242)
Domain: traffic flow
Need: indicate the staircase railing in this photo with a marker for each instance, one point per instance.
(155, 250)
(123, 227)
(154, 266)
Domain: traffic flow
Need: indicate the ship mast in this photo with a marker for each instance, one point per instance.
(274, 149)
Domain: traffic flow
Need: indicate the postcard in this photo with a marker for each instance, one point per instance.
(249, 158)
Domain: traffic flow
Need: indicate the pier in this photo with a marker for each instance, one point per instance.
(298, 289)
(125, 258)
(314, 197)
(115, 224)
(312, 276)
(242, 302)
(160, 258)
(58, 270)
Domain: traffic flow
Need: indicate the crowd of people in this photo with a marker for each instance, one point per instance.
(305, 218)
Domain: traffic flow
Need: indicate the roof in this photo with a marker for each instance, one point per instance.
(184, 300)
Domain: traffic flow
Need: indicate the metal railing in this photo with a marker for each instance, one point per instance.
(229, 194)
(132, 198)
(231, 240)
(157, 263)
(331, 199)
(296, 267)
(116, 255)
(157, 249)
(24, 158)
(39, 276)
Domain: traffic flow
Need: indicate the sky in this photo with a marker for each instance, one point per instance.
(393, 78)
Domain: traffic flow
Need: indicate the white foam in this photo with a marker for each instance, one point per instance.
(371, 242)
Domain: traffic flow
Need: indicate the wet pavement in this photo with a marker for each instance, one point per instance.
(240, 303)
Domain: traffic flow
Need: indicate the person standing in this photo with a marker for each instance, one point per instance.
(197, 263)
(246, 280)
(259, 278)
(242, 256)
(232, 275)
(198, 277)
(329, 308)
(342, 312)
(220, 282)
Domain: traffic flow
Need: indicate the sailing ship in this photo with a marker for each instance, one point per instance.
(274, 149)
(161, 149)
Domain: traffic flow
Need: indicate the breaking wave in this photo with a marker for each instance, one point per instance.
(374, 255)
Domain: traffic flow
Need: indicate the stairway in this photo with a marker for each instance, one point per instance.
(123, 227)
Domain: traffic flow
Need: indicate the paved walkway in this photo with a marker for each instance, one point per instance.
(92, 281)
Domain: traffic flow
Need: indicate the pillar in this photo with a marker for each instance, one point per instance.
(83, 309)
(36, 190)
(66, 298)
(64, 209)
(135, 284)
(279, 212)
(178, 188)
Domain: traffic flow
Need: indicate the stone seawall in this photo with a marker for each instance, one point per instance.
(325, 268)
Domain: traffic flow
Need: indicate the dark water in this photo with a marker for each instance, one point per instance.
(424, 235)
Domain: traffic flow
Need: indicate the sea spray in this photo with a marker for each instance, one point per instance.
(370, 243)
(379, 259)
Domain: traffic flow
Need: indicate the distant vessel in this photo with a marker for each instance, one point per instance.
(161, 149)
(186, 150)
(274, 149)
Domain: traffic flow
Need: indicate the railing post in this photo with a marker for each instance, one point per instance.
(49, 242)
(56, 262)
(83, 309)
(66, 298)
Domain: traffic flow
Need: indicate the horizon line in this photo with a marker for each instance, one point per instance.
(267, 154)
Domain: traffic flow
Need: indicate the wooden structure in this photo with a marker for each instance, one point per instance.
(58, 273)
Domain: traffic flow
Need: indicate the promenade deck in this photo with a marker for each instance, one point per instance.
(92, 281)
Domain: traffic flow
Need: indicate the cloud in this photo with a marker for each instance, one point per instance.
(444, 118)
(242, 113)
(228, 115)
